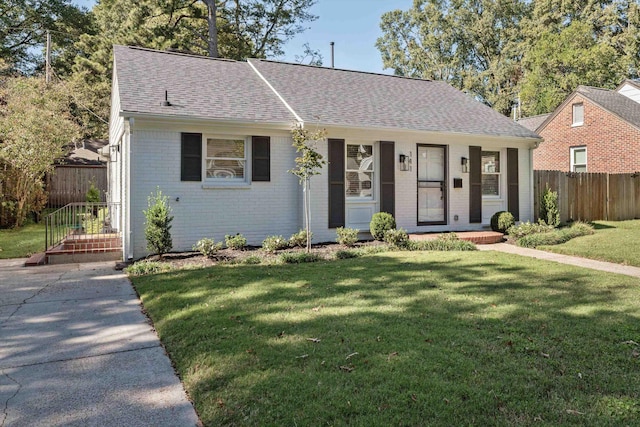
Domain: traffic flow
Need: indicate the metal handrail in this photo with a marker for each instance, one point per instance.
(80, 219)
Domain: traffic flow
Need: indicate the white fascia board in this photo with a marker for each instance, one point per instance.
(205, 120)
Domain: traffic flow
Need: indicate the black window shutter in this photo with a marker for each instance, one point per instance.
(191, 157)
(513, 201)
(261, 158)
(475, 184)
(387, 177)
(336, 183)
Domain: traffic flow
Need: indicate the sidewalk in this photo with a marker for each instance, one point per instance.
(76, 350)
(563, 259)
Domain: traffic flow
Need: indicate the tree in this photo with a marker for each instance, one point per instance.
(308, 163)
(23, 26)
(472, 44)
(35, 127)
(157, 227)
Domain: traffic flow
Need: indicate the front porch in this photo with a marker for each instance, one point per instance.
(477, 237)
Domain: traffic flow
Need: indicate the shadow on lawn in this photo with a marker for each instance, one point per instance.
(462, 338)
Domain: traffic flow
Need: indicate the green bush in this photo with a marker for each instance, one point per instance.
(207, 247)
(299, 239)
(235, 241)
(501, 221)
(527, 228)
(142, 268)
(396, 238)
(157, 227)
(549, 213)
(274, 243)
(381, 222)
(444, 242)
(347, 236)
(252, 260)
(93, 194)
(556, 237)
(299, 257)
(346, 254)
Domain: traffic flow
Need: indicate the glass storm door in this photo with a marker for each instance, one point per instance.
(432, 190)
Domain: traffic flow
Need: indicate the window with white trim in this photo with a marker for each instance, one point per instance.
(226, 159)
(359, 171)
(491, 175)
(578, 159)
(578, 114)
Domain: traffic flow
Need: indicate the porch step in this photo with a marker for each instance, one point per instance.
(36, 259)
(72, 256)
(477, 237)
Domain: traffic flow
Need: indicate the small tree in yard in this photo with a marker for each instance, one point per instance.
(549, 213)
(158, 224)
(308, 163)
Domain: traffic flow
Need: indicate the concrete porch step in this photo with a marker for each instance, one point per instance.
(39, 258)
(477, 237)
(71, 256)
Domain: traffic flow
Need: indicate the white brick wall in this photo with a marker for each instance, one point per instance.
(268, 208)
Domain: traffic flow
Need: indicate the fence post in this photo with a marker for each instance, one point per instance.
(608, 190)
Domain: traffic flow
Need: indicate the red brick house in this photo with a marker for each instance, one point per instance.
(593, 130)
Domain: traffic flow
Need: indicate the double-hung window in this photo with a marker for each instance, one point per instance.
(491, 176)
(226, 159)
(578, 159)
(359, 171)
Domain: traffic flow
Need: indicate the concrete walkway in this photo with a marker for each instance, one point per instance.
(563, 259)
(76, 350)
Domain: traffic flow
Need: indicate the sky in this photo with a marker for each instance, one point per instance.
(353, 25)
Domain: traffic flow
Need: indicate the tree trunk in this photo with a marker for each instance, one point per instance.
(307, 215)
(213, 27)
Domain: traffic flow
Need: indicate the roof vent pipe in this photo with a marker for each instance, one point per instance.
(166, 102)
(332, 57)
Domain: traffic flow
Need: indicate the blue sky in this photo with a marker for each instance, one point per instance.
(354, 26)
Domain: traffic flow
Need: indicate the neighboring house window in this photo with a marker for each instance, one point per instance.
(491, 173)
(578, 114)
(578, 159)
(226, 159)
(359, 171)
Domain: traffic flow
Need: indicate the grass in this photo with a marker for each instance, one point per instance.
(403, 338)
(23, 242)
(613, 241)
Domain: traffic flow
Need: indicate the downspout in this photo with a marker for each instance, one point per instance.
(531, 183)
(127, 249)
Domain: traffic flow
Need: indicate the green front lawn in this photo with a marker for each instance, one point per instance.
(22, 242)
(613, 241)
(403, 338)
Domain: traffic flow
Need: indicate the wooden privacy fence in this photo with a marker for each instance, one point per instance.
(590, 196)
(69, 184)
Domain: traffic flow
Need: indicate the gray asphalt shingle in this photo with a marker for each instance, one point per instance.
(532, 123)
(197, 87)
(616, 103)
(231, 90)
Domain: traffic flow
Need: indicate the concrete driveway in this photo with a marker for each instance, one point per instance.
(75, 349)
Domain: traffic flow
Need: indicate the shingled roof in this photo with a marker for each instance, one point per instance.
(197, 87)
(623, 107)
(532, 123)
(269, 91)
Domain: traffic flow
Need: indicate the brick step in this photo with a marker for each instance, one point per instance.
(477, 237)
(62, 256)
(39, 258)
(85, 246)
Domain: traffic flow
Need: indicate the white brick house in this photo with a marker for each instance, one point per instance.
(214, 135)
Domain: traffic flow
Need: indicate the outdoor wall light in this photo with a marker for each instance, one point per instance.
(405, 162)
(465, 164)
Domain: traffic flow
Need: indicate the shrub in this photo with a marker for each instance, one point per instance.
(444, 242)
(207, 247)
(347, 236)
(235, 241)
(556, 237)
(93, 194)
(501, 221)
(158, 224)
(299, 257)
(252, 260)
(274, 243)
(381, 222)
(549, 213)
(396, 238)
(299, 239)
(527, 228)
(346, 254)
(147, 267)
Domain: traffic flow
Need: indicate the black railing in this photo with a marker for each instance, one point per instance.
(80, 219)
